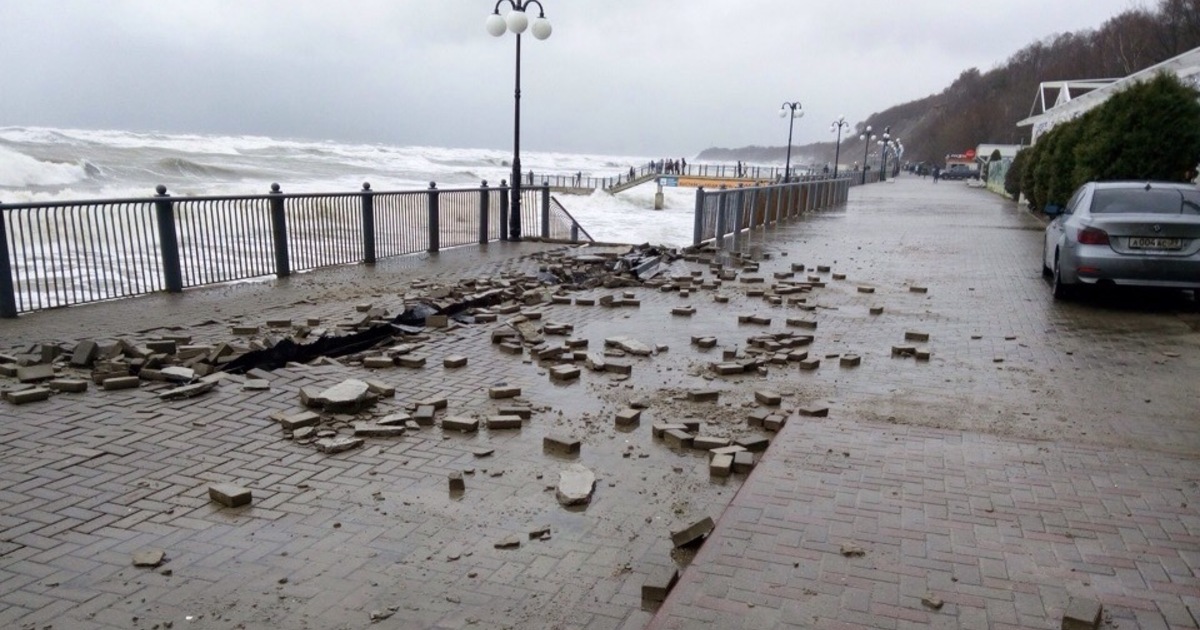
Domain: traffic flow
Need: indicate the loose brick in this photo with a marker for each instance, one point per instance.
(72, 385)
(720, 466)
(454, 361)
(814, 411)
(121, 382)
(774, 422)
(809, 364)
(753, 444)
(338, 444)
(1082, 614)
(659, 583)
(496, 423)
(500, 393)
(460, 423)
(25, 396)
(743, 462)
(371, 429)
(918, 289)
(807, 324)
(755, 418)
(411, 361)
(768, 397)
(677, 438)
(876, 310)
(658, 429)
(564, 373)
(379, 362)
(691, 531)
(704, 395)
(913, 335)
(523, 413)
(708, 442)
(560, 445)
(850, 360)
(294, 421)
(229, 495)
(628, 417)
(424, 415)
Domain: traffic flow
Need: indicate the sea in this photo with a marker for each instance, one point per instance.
(42, 164)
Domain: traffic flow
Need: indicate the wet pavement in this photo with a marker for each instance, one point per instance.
(1044, 451)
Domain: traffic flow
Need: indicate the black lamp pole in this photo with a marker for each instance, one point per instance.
(866, 137)
(792, 111)
(517, 22)
(839, 125)
(884, 144)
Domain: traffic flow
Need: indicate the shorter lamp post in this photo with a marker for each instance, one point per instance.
(795, 112)
(866, 137)
(838, 125)
(883, 146)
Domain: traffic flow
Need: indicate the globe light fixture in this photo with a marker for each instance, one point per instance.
(790, 110)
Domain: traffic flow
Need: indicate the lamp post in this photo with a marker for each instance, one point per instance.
(866, 137)
(517, 21)
(838, 125)
(795, 111)
(884, 143)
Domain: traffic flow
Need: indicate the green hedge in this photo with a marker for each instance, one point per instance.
(1148, 131)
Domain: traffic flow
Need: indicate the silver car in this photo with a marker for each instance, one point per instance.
(1125, 233)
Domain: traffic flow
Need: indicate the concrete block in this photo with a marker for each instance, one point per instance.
(774, 422)
(121, 382)
(809, 364)
(850, 360)
(904, 350)
(767, 397)
(743, 462)
(460, 423)
(912, 335)
(807, 324)
(229, 495)
(71, 385)
(754, 444)
(658, 429)
(497, 423)
(437, 321)
(424, 415)
(704, 395)
(814, 411)
(35, 373)
(684, 311)
(560, 445)
(294, 421)
(918, 289)
(618, 367)
(728, 369)
(691, 531)
(720, 466)
(372, 429)
(381, 389)
(379, 362)
(84, 354)
(677, 438)
(659, 583)
(755, 418)
(876, 310)
(437, 402)
(456, 482)
(500, 393)
(411, 361)
(628, 417)
(24, 396)
(922, 354)
(1082, 614)
(708, 442)
(564, 373)
(242, 331)
(523, 413)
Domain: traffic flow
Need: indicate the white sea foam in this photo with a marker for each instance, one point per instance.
(18, 170)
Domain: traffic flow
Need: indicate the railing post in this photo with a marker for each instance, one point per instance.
(168, 240)
(698, 225)
(434, 224)
(484, 198)
(574, 232)
(279, 233)
(503, 210)
(368, 223)
(8, 298)
(546, 210)
(722, 220)
(739, 210)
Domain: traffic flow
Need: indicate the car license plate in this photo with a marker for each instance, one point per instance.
(1144, 242)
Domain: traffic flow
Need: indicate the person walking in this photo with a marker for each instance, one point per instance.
(937, 173)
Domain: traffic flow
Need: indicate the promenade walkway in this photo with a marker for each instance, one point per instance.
(1044, 451)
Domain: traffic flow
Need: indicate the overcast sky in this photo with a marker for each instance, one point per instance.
(624, 77)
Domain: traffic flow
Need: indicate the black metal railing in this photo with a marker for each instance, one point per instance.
(568, 181)
(56, 254)
(728, 212)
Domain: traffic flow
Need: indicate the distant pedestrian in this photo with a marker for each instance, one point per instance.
(578, 178)
(632, 173)
(937, 174)
(530, 177)
(682, 166)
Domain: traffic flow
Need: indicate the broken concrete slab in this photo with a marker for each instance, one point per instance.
(348, 396)
(338, 444)
(575, 485)
(372, 429)
(149, 557)
(628, 344)
(187, 391)
(294, 421)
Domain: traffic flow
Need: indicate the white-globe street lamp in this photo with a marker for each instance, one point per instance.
(838, 125)
(866, 136)
(517, 21)
(791, 111)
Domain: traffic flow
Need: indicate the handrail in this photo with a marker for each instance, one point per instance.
(728, 212)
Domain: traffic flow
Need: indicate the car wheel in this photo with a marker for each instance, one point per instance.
(1061, 291)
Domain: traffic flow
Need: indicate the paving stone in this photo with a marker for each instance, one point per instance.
(720, 466)
(807, 324)
(904, 350)
(178, 374)
(918, 289)
(294, 421)
(414, 361)
(756, 417)
(256, 385)
(454, 361)
(814, 411)
(437, 321)
(922, 354)
(913, 335)
(500, 393)
(338, 444)
(618, 367)
(229, 495)
(243, 331)
(560, 445)
(575, 485)
(753, 444)
(658, 429)
(677, 438)
(743, 462)
(424, 415)
(376, 363)
(564, 373)
(35, 373)
(502, 422)
(850, 360)
(121, 382)
(149, 557)
(704, 395)
(774, 422)
(187, 391)
(509, 542)
(727, 450)
(1082, 614)
(460, 423)
(628, 417)
(659, 583)
(768, 397)
(628, 344)
(381, 389)
(708, 442)
(371, 429)
(457, 484)
(437, 402)
(72, 385)
(28, 395)
(349, 396)
(691, 531)
(84, 354)
(520, 411)
(809, 364)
